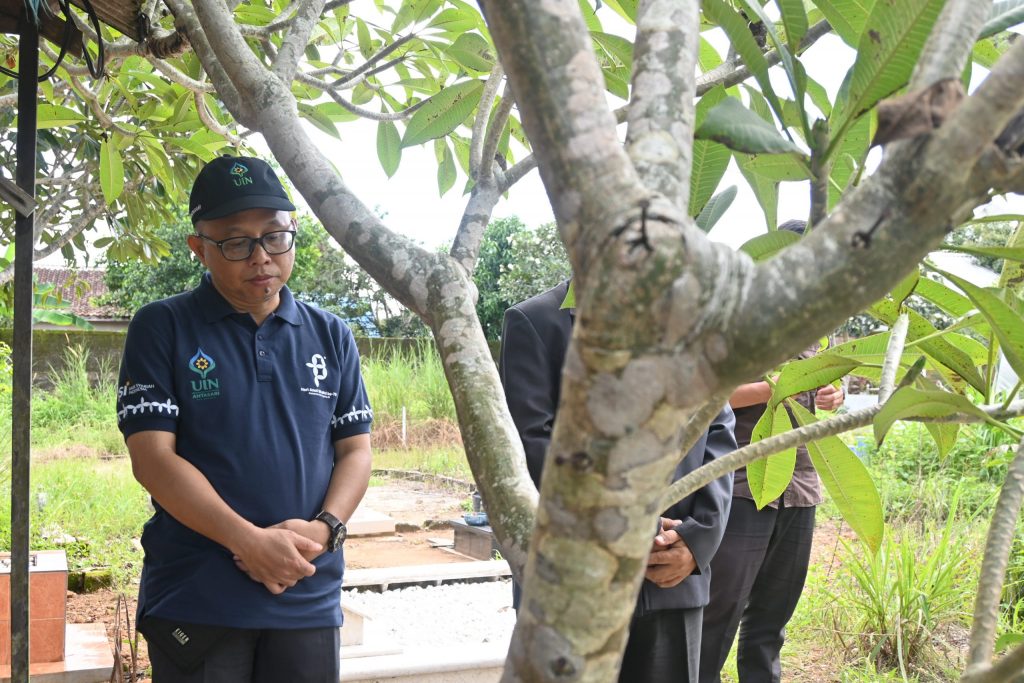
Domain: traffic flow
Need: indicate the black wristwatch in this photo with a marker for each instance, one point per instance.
(338, 530)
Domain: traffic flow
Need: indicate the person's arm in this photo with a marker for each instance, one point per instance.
(528, 377)
(351, 476)
(750, 394)
(272, 557)
(703, 529)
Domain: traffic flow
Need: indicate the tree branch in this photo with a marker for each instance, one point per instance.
(516, 173)
(210, 122)
(1006, 670)
(1001, 533)
(893, 354)
(950, 43)
(659, 138)
(490, 150)
(832, 426)
(357, 73)
(355, 109)
(483, 114)
(586, 172)
(466, 246)
(294, 45)
(185, 20)
(732, 72)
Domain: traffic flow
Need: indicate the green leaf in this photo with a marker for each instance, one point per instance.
(769, 477)
(472, 52)
(1004, 14)
(1006, 322)
(740, 129)
(781, 167)
(1012, 253)
(948, 300)
(616, 46)
(624, 8)
(794, 70)
(808, 374)
(770, 243)
(715, 208)
(887, 51)
(111, 171)
(957, 366)
(847, 17)
(911, 402)
(736, 29)
(443, 113)
(905, 287)
(944, 434)
(570, 296)
(322, 122)
(849, 158)
(707, 56)
(765, 189)
(454, 21)
(389, 147)
(446, 171)
(847, 480)
(794, 19)
(710, 159)
(56, 116)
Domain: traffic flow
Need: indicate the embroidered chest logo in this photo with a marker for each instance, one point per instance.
(206, 387)
(318, 366)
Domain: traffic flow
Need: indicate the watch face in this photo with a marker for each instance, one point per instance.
(338, 536)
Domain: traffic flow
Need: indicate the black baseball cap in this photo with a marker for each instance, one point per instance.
(230, 184)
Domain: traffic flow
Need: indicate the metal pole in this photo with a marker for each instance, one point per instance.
(21, 413)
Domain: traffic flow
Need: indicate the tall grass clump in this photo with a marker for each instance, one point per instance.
(410, 378)
(79, 409)
(892, 607)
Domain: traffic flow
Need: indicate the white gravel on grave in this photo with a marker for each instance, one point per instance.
(439, 616)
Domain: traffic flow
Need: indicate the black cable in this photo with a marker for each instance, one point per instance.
(65, 41)
(95, 69)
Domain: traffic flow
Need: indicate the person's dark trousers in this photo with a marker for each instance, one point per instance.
(260, 656)
(756, 580)
(663, 647)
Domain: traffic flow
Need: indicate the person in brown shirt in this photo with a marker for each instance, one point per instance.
(761, 564)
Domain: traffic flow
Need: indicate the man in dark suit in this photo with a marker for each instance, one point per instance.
(664, 640)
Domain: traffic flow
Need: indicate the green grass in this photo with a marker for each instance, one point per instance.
(92, 508)
(447, 461)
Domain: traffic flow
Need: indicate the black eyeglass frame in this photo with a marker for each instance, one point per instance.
(253, 241)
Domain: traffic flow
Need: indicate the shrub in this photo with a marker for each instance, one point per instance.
(896, 600)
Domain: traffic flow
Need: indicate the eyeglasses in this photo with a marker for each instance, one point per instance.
(241, 248)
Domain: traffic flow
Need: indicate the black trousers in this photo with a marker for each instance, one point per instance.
(663, 647)
(756, 580)
(260, 656)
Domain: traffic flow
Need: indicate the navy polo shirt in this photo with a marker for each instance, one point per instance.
(257, 410)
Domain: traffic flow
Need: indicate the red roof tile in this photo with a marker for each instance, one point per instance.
(82, 288)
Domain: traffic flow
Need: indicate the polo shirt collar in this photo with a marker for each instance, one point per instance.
(215, 307)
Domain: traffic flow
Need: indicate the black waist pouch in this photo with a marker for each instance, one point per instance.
(184, 643)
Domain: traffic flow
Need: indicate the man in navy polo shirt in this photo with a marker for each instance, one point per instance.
(247, 421)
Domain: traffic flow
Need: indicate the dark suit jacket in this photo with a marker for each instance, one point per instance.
(535, 336)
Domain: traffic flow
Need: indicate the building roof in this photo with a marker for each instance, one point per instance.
(82, 288)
